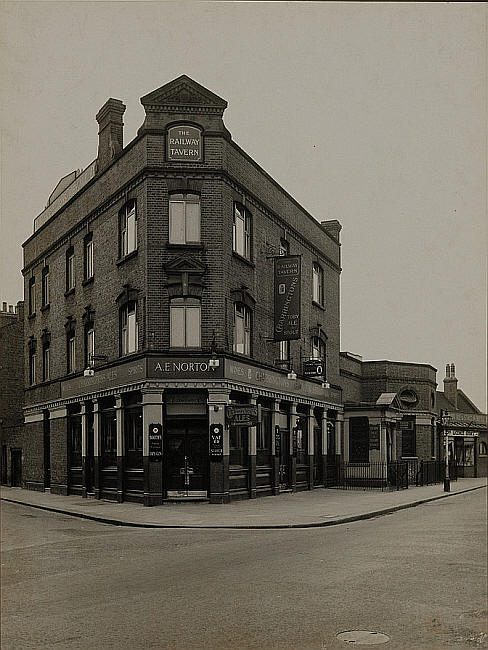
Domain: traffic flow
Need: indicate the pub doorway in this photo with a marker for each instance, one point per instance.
(186, 461)
(283, 453)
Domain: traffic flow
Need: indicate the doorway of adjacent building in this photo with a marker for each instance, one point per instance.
(186, 460)
(284, 458)
(16, 465)
(47, 450)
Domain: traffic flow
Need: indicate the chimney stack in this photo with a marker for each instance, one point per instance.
(110, 132)
(450, 384)
(4, 306)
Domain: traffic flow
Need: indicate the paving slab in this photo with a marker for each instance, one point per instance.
(315, 508)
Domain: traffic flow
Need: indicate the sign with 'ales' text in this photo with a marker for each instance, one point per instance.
(287, 281)
(184, 143)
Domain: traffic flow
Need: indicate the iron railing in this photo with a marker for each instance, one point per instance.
(394, 475)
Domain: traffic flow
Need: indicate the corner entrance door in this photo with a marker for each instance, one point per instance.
(284, 456)
(186, 463)
(16, 464)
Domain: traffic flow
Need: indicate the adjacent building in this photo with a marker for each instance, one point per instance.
(11, 392)
(182, 319)
(394, 412)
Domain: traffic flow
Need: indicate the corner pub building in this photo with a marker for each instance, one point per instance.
(176, 297)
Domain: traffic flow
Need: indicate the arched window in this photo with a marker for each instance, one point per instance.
(185, 323)
(127, 229)
(242, 329)
(184, 218)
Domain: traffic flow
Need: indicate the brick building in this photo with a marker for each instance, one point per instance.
(11, 392)
(154, 360)
(466, 427)
(392, 411)
(389, 410)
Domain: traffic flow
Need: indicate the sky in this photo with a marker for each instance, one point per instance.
(370, 113)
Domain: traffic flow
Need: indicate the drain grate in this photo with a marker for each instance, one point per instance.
(363, 637)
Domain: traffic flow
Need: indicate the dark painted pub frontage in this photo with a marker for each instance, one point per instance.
(189, 428)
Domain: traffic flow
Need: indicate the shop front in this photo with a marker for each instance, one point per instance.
(171, 428)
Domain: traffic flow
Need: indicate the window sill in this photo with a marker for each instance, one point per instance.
(69, 292)
(243, 259)
(193, 245)
(46, 307)
(199, 349)
(32, 316)
(87, 282)
(317, 304)
(127, 257)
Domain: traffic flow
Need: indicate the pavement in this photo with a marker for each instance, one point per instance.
(315, 508)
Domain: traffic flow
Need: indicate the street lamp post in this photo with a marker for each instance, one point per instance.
(445, 419)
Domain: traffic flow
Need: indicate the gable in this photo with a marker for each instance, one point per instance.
(183, 91)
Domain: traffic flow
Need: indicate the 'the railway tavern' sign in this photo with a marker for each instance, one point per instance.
(184, 143)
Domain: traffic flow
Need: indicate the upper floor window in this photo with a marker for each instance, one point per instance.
(318, 348)
(89, 344)
(128, 228)
(88, 256)
(70, 352)
(284, 350)
(128, 328)
(241, 234)
(242, 329)
(318, 284)
(185, 323)
(46, 362)
(32, 296)
(70, 269)
(284, 247)
(184, 219)
(46, 298)
(32, 364)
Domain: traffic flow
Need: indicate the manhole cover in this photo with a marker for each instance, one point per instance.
(363, 637)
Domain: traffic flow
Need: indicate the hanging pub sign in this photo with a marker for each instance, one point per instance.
(277, 441)
(216, 441)
(184, 143)
(314, 368)
(155, 443)
(245, 415)
(287, 283)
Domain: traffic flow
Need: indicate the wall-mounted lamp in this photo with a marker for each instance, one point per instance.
(291, 375)
(325, 384)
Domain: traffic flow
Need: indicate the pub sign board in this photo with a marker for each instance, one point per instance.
(277, 441)
(216, 441)
(314, 368)
(184, 143)
(244, 415)
(287, 290)
(155, 442)
(295, 441)
(374, 436)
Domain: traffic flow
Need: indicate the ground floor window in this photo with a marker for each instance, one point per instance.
(359, 440)
(238, 443)
(108, 439)
(263, 438)
(74, 437)
(409, 446)
(133, 437)
(302, 441)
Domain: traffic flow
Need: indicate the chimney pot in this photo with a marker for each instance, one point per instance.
(4, 306)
